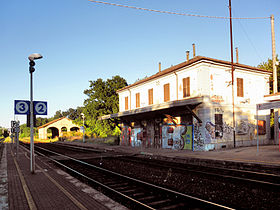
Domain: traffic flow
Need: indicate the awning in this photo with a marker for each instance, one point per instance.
(171, 106)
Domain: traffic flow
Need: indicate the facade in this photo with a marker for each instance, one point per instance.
(57, 127)
(191, 106)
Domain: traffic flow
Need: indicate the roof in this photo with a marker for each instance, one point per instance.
(156, 107)
(51, 122)
(193, 61)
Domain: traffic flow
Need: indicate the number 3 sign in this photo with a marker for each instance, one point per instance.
(22, 107)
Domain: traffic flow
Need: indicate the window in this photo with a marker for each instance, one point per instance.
(151, 99)
(240, 91)
(262, 127)
(126, 103)
(137, 100)
(186, 87)
(166, 92)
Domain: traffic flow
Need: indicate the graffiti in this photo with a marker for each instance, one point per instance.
(219, 110)
(188, 136)
(209, 132)
(227, 129)
(125, 136)
(217, 99)
(136, 137)
(242, 128)
(172, 136)
(198, 139)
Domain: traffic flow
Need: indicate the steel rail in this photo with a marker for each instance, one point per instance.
(220, 172)
(126, 177)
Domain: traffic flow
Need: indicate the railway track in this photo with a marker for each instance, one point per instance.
(134, 193)
(269, 180)
(248, 177)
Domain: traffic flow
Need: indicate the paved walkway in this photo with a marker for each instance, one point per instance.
(48, 188)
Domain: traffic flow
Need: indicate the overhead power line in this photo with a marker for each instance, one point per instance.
(172, 13)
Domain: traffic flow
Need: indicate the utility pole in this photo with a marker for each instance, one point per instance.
(275, 86)
(232, 74)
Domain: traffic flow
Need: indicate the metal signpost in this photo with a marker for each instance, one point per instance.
(24, 107)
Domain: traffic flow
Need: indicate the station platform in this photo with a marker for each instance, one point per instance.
(47, 188)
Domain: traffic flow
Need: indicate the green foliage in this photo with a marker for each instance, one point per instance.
(102, 100)
(24, 131)
(268, 66)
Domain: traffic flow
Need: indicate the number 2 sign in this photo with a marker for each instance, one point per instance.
(40, 108)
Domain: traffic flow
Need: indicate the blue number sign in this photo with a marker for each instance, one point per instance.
(22, 107)
(40, 108)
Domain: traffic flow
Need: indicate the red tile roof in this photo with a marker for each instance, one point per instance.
(192, 61)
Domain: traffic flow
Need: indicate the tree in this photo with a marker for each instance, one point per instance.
(268, 66)
(102, 100)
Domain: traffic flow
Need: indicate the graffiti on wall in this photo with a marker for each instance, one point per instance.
(245, 128)
(172, 136)
(209, 132)
(177, 137)
(198, 141)
(125, 135)
(136, 137)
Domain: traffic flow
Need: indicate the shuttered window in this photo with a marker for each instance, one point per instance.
(240, 91)
(137, 100)
(166, 92)
(186, 87)
(126, 103)
(151, 96)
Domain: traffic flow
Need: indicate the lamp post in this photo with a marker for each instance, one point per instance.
(83, 116)
(31, 58)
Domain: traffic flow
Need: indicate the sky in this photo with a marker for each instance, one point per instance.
(81, 41)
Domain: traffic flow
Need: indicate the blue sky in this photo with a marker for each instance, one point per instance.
(82, 41)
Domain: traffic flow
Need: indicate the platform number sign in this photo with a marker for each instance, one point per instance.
(40, 108)
(22, 107)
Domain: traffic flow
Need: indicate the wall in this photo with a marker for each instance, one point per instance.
(175, 81)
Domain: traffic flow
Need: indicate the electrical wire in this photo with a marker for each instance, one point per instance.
(172, 13)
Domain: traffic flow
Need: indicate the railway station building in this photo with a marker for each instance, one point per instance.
(57, 127)
(193, 106)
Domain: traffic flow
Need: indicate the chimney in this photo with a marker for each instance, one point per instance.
(193, 46)
(188, 55)
(236, 52)
(159, 67)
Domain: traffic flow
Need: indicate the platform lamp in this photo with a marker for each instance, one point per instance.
(32, 57)
(83, 116)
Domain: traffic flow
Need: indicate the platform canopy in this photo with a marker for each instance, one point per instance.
(179, 105)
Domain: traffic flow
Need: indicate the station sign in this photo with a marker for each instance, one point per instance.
(40, 108)
(23, 107)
